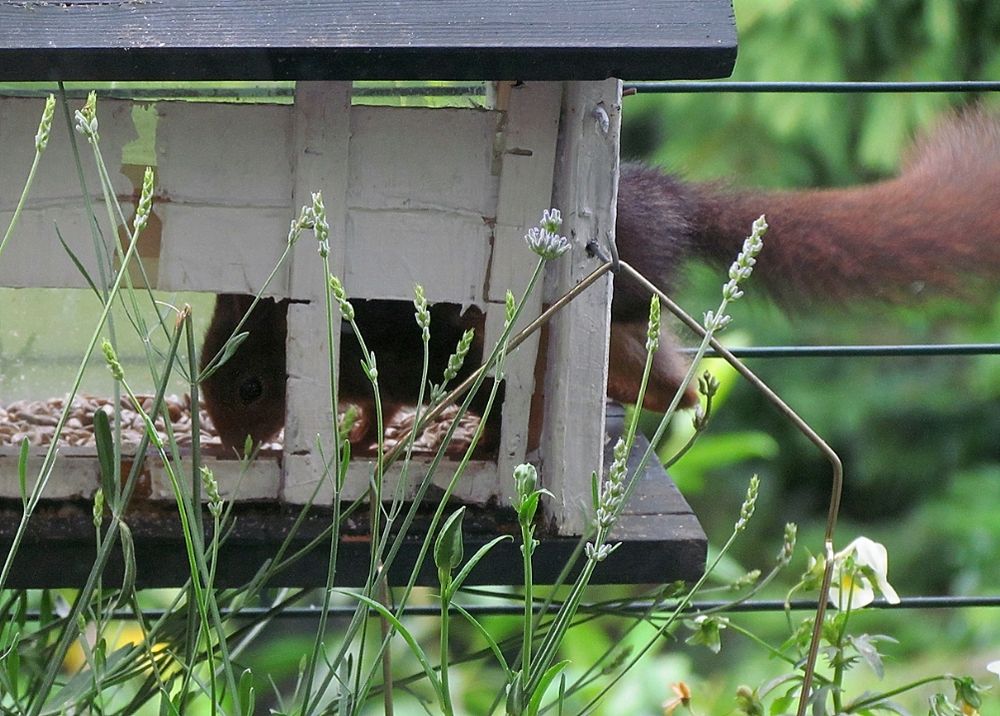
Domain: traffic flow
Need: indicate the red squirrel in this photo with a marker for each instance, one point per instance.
(246, 395)
(935, 225)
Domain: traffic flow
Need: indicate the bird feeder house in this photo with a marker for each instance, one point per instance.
(492, 113)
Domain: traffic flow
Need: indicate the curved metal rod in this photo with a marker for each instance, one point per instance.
(756, 382)
(813, 437)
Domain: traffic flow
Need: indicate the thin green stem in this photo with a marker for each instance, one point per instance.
(84, 596)
(21, 200)
(335, 471)
(802, 426)
(678, 610)
(193, 623)
(772, 651)
(48, 462)
(469, 388)
(554, 637)
(200, 575)
(443, 502)
(213, 364)
(527, 539)
(445, 602)
(867, 703)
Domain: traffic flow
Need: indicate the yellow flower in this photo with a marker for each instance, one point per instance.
(118, 635)
(969, 710)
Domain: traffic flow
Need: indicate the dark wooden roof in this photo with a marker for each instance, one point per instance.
(149, 40)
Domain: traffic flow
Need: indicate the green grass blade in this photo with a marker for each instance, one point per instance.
(476, 559)
(22, 471)
(490, 641)
(79, 266)
(105, 454)
(535, 702)
(408, 637)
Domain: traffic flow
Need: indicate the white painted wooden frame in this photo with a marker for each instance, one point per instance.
(437, 196)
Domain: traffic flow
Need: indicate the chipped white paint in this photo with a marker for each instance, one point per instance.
(527, 147)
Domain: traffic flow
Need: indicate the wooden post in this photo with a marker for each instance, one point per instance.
(586, 192)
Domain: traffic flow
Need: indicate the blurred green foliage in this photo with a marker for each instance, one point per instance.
(907, 428)
(920, 437)
(820, 139)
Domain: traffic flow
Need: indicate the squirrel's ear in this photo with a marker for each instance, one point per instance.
(628, 359)
(231, 307)
(227, 306)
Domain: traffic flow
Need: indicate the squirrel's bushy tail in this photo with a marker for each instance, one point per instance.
(934, 227)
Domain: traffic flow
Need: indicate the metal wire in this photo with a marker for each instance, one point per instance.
(813, 87)
(860, 351)
(630, 608)
(839, 351)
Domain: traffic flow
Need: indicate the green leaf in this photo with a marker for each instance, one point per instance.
(535, 702)
(246, 692)
(513, 705)
(968, 691)
(167, 707)
(128, 557)
(45, 608)
(410, 640)
(100, 655)
(21, 610)
(490, 641)
(707, 631)
(769, 686)
(227, 352)
(81, 684)
(13, 661)
(448, 548)
(105, 454)
(476, 558)
(78, 264)
(22, 471)
(866, 647)
(526, 512)
(782, 704)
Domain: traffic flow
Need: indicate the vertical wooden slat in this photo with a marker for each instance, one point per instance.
(526, 163)
(321, 146)
(586, 189)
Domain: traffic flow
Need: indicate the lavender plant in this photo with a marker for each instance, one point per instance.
(189, 658)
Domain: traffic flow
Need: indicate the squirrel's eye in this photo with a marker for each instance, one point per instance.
(250, 389)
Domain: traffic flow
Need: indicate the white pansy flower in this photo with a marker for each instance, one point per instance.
(859, 570)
